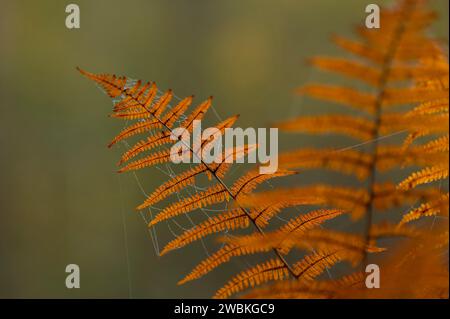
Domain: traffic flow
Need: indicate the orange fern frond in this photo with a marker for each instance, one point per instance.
(402, 67)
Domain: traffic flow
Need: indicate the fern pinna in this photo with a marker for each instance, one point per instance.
(402, 66)
(407, 76)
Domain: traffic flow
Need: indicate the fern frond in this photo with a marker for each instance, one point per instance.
(270, 270)
(356, 127)
(400, 51)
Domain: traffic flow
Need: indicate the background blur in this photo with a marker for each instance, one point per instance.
(61, 201)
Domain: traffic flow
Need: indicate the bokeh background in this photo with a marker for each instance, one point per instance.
(61, 201)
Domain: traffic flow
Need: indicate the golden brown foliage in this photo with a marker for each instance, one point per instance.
(401, 66)
(155, 116)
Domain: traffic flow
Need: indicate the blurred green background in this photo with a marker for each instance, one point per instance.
(61, 201)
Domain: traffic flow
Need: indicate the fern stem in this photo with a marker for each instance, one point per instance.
(382, 85)
(247, 213)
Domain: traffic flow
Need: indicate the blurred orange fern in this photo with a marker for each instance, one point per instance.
(402, 66)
